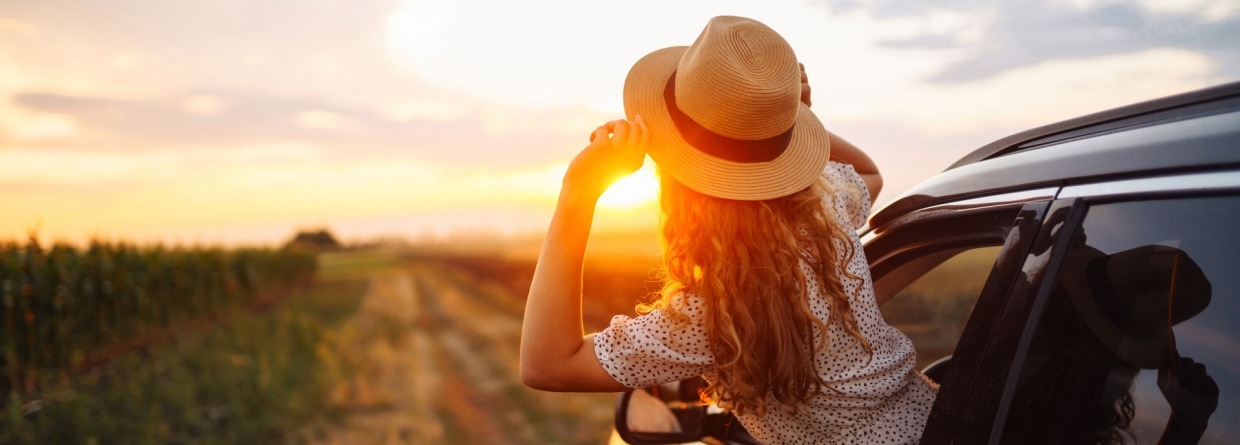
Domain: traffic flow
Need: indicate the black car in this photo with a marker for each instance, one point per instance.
(1074, 283)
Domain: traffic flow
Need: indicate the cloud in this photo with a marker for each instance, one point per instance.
(1043, 93)
(1023, 33)
(18, 27)
(216, 76)
(202, 104)
(467, 132)
(325, 120)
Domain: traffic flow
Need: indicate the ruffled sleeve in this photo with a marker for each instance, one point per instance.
(654, 348)
(852, 198)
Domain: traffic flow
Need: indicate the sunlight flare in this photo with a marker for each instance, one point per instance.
(632, 191)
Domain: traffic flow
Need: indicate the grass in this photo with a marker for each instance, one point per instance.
(356, 264)
(249, 380)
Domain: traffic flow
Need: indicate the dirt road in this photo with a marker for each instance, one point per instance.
(433, 358)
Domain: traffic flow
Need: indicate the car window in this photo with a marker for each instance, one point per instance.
(1138, 342)
(933, 296)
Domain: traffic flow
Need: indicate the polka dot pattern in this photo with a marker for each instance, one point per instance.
(881, 399)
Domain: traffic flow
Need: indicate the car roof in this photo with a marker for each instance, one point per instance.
(1198, 130)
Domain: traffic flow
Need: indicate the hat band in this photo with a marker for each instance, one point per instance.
(720, 146)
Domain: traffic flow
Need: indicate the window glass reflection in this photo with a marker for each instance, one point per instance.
(1138, 342)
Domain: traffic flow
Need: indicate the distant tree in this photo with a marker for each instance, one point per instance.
(315, 240)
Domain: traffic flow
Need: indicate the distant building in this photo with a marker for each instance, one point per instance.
(317, 240)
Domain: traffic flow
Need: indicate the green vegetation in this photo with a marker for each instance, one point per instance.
(120, 344)
(355, 264)
(933, 310)
(249, 380)
(64, 306)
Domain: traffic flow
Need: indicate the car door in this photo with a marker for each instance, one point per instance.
(1131, 335)
(937, 267)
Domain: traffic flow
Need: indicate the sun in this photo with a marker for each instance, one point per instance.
(635, 190)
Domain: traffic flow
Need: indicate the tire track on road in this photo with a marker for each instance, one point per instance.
(472, 339)
(391, 396)
(484, 341)
(434, 359)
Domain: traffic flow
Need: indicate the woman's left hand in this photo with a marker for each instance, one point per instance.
(805, 90)
(617, 149)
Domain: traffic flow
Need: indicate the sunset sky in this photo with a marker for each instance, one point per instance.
(238, 121)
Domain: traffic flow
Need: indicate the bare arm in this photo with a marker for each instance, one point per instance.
(555, 355)
(844, 152)
(847, 153)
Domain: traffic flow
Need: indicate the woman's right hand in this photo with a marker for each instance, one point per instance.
(617, 149)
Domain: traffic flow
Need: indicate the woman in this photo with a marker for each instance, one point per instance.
(768, 292)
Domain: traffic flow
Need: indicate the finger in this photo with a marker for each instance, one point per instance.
(645, 139)
(599, 133)
(634, 135)
(805, 90)
(621, 130)
(637, 134)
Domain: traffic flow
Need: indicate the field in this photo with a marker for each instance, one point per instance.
(381, 346)
(436, 350)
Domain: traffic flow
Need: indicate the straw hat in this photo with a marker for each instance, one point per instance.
(725, 115)
(1131, 299)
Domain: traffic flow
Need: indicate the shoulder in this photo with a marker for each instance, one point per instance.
(851, 197)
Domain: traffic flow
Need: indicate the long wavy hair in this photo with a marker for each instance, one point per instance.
(744, 259)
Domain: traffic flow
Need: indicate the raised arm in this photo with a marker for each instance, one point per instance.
(845, 152)
(555, 355)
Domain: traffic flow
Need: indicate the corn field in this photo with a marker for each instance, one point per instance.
(64, 305)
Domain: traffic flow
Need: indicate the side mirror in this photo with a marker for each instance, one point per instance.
(644, 417)
(936, 370)
(672, 413)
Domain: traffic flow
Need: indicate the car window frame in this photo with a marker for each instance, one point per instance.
(1023, 305)
(1008, 220)
(957, 410)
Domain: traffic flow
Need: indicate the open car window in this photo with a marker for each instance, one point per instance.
(930, 298)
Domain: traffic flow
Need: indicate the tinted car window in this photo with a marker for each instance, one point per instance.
(933, 308)
(1138, 341)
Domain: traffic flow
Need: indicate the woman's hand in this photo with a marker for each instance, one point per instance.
(805, 91)
(616, 150)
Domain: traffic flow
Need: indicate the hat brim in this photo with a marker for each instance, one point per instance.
(1146, 353)
(792, 171)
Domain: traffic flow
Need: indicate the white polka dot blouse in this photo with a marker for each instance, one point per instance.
(882, 401)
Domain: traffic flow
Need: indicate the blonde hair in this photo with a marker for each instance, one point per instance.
(744, 259)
